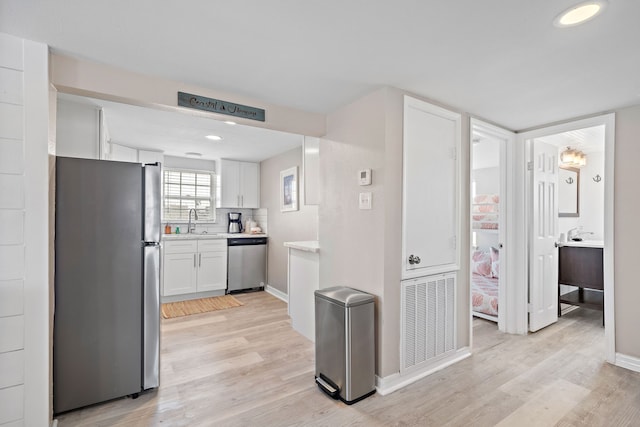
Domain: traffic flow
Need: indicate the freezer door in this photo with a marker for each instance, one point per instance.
(151, 313)
(152, 202)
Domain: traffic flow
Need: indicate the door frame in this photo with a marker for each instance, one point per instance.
(508, 293)
(522, 179)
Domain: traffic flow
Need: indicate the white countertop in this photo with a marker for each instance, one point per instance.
(585, 244)
(208, 236)
(307, 246)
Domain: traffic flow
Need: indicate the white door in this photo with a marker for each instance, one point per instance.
(430, 189)
(543, 280)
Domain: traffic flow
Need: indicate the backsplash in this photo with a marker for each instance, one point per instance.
(220, 226)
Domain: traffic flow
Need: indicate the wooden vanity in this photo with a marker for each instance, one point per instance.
(580, 264)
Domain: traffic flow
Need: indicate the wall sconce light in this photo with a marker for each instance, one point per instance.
(573, 158)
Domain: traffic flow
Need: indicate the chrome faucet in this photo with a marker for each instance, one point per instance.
(191, 228)
(572, 233)
(575, 233)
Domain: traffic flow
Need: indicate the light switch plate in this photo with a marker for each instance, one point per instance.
(365, 200)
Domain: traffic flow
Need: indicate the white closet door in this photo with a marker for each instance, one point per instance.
(430, 189)
(543, 283)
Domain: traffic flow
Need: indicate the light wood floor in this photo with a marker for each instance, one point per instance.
(245, 366)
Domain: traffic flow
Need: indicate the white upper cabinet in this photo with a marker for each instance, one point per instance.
(239, 184)
(431, 189)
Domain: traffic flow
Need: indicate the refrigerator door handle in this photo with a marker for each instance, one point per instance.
(151, 317)
(199, 260)
(152, 202)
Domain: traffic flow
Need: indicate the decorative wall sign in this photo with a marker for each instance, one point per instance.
(221, 107)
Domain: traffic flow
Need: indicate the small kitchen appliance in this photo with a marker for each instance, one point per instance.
(235, 222)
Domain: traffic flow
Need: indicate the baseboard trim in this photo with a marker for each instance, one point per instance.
(628, 362)
(277, 293)
(395, 382)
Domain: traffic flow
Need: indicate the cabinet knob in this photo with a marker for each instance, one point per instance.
(414, 259)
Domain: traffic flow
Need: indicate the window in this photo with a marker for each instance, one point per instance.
(185, 190)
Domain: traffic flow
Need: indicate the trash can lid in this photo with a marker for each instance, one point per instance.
(343, 295)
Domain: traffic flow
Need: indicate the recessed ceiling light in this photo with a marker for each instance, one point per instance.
(229, 122)
(580, 13)
(193, 154)
(213, 137)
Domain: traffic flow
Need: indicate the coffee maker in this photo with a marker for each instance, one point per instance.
(235, 222)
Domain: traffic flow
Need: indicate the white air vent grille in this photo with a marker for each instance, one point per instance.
(428, 319)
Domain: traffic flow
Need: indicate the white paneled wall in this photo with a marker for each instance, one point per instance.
(12, 269)
(24, 347)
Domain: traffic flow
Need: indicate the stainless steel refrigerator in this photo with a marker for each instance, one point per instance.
(106, 336)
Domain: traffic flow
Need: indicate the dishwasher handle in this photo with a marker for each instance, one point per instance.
(246, 241)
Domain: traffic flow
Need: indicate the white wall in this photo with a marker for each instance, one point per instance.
(24, 286)
(300, 225)
(78, 130)
(76, 76)
(352, 240)
(627, 231)
(591, 200)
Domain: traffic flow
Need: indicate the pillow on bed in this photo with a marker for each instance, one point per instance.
(495, 262)
(481, 263)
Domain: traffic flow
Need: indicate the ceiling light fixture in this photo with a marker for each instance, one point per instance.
(214, 137)
(193, 154)
(580, 13)
(229, 122)
(573, 158)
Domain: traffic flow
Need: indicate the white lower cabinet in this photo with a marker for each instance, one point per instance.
(212, 265)
(194, 266)
(179, 274)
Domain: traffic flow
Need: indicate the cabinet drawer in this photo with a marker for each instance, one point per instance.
(180, 246)
(218, 245)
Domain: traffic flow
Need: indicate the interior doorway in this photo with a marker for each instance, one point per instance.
(490, 207)
(568, 211)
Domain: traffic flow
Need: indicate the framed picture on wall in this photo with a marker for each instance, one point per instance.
(289, 189)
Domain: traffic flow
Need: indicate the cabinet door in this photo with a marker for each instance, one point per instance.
(229, 184)
(249, 185)
(431, 218)
(212, 271)
(179, 274)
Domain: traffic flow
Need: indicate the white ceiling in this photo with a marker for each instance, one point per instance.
(587, 140)
(176, 134)
(503, 61)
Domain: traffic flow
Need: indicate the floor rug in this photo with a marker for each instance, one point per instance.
(195, 306)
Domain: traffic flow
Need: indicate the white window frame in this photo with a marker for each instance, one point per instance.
(213, 186)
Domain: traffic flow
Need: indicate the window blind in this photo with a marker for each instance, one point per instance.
(185, 190)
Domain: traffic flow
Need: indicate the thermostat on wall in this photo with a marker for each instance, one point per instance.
(365, 177)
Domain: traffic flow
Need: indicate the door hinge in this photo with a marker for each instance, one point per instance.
(529, 308)
(529, 166)
(454, 153)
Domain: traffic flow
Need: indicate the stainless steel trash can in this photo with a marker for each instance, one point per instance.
(345, 343)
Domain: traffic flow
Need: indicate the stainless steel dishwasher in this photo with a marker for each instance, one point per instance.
(247, 263)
